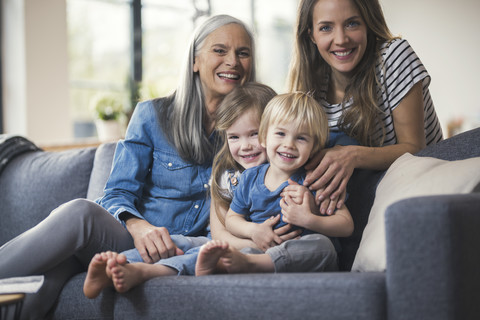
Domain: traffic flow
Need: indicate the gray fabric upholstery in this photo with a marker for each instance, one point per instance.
(35, 183)
(74, 305)
(272, 296)
(433, 258)
(462, 146)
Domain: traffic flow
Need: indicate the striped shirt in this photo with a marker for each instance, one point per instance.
(398, 70)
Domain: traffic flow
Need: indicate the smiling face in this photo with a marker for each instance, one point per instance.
(340, 34)
(224, 61)
(288, 147)
(242, 138)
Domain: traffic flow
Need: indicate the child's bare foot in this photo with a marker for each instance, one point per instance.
(209, 255)
(125, 275)
(98, 277)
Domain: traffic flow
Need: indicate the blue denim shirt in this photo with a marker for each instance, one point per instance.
(151, 181)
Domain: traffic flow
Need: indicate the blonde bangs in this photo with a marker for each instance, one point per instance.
(299, 109)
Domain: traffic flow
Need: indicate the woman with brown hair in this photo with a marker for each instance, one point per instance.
(371, 84)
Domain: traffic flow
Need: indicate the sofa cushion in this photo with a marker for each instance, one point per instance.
(72, 303)
(102, 165)
(35, 183)
(363, 183)
(410, 176)
(323, 295)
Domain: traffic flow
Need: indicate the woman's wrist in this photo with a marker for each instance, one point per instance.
(132, 222)
(355, 155)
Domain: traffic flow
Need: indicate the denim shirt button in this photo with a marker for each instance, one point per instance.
(170, 164)
(196, 206)
(205, 186)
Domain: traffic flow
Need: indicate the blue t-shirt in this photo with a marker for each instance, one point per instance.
(254, 200)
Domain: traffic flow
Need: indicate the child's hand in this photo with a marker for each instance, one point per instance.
(264, 236)
(295, 191)
(298, 214)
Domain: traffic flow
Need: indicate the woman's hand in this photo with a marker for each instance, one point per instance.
(153, 243)
(328, 174)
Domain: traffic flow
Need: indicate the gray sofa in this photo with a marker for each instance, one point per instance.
(433, 258)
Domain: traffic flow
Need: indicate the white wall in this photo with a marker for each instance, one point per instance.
(35, 61)
(35, 75)
(13, 63)
(444, 35)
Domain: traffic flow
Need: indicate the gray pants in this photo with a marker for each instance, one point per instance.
(59, 247)
(311, 253)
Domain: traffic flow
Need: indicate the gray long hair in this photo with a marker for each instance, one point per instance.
(184, 123)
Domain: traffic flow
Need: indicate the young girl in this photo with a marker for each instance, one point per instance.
(293, 128)
(237, 122)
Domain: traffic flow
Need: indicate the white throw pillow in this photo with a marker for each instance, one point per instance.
(410, 176)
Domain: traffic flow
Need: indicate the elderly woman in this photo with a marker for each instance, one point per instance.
(159, 181)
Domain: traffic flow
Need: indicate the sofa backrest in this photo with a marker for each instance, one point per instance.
(461, 146)
(102, 165)
(35, 183)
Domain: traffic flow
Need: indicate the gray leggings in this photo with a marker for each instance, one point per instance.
(311, 253)
(59, 247)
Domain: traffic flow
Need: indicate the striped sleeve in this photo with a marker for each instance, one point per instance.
(399, 69)
(403, 69)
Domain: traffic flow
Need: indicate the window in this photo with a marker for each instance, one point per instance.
(99, 53)
(101, 46)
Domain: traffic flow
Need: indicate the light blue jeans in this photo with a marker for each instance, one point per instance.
(184, 264)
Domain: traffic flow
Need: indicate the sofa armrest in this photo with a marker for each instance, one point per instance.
(433, 257)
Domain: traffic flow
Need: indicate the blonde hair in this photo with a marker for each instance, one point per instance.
(308, 69)
(243, 98)
(300, 109)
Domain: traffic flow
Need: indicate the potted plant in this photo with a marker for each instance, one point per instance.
(109, 117)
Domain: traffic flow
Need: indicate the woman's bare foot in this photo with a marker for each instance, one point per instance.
(125, 275)
(208, 257)
(98, 275)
